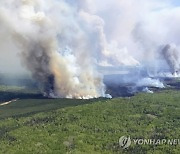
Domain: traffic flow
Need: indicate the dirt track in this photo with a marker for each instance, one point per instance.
(6, 103)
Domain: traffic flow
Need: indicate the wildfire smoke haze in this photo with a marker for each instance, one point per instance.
(64, 43)
(42, 40)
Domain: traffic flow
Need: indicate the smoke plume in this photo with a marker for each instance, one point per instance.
(45, 41)
(171, 55)
(68, 46)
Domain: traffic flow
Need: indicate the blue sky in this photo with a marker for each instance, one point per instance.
(176, 2)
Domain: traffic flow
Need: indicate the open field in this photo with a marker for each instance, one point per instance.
(34, 124)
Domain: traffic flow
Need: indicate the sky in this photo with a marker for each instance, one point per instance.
(176, 2)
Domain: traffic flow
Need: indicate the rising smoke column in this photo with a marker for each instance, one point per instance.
(61, 41)
(171, 56)
(53, 48)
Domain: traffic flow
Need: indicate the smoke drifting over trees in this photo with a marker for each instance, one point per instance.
(61, 42)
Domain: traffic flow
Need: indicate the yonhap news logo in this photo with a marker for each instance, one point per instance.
(126, 141)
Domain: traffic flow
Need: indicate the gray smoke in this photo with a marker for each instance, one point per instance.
(52, 47)
(171, 56)
(63, 43)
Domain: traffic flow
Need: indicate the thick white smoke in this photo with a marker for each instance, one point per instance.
(61, 42)
(53, 47)
(150, 83)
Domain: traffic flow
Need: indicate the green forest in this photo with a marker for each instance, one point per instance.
(33, 124)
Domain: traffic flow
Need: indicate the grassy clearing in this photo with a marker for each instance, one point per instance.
(89, 126)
